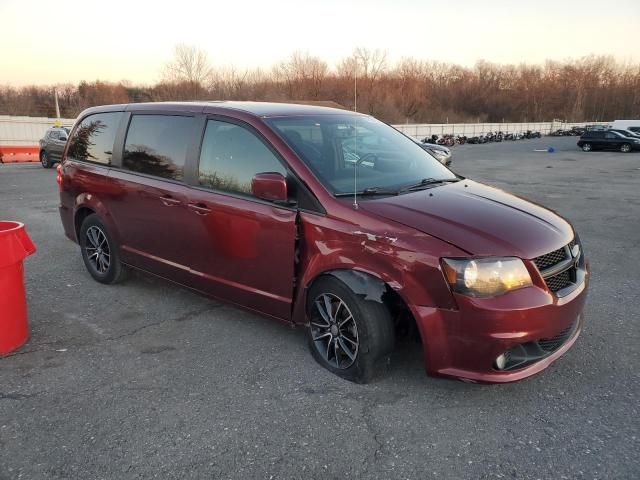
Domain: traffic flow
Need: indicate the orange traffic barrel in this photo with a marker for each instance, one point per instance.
(15, 246)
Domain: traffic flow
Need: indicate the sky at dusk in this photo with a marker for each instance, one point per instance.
(65, 42)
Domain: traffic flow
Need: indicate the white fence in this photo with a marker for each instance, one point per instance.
(422, 130)
(27, 130)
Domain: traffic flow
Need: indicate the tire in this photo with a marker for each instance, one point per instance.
(45, 160)
(363, 330)
(99, 251)
(586, 147)
(625, 147)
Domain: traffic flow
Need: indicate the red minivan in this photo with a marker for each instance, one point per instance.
(327, 219)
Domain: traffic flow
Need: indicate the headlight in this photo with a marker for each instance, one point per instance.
(485, 277)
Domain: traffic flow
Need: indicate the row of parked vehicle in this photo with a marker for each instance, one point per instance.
(571, 132)
(450, 140)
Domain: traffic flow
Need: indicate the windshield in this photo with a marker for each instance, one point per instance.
(334, 145)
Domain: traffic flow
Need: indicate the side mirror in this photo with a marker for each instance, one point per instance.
(269, 186)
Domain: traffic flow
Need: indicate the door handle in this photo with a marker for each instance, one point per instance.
(169, 201)
(200, 208)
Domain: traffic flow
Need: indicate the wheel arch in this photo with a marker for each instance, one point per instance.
(374, 289)
(79, 216)
(85, 205)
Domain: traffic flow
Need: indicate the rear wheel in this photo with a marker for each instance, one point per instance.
(625, 147)
(45, 160)
(99, 252)
(586, 147)
(348, 335)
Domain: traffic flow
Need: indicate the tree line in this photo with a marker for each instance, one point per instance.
(594, 88)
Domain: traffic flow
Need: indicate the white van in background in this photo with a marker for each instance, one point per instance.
(632, 125)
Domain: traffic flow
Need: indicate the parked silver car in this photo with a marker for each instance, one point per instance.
(440, 152)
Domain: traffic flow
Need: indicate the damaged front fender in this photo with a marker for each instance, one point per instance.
(361, 283)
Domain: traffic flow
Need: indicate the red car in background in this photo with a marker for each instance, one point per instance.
(330, 220)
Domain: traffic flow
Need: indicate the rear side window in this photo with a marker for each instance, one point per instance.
(93, 139)
(157, 145)
(635, 129)
(231, 155)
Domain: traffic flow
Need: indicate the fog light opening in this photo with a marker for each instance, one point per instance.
(500, 362)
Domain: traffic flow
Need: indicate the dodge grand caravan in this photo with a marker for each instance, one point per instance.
(281, 209)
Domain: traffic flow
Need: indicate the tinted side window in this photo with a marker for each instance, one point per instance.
(157, 145)
(635, 129)
(231, 155)
(93, 138)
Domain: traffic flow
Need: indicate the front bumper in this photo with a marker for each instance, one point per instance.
(465, 343)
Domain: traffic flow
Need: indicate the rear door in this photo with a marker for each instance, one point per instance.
(596, 139)
(613, 140)
(244, 247)
(55, 144)
(150, 208)
(59, 144)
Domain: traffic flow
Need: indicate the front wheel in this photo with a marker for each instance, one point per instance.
(99, 251)
(348, 335)
(45, 160)
(586, 147)
(625, 148)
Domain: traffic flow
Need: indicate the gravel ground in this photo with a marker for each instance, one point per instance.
(147, 380)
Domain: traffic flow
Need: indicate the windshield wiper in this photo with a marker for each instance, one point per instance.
(369, 191)
(427, 182)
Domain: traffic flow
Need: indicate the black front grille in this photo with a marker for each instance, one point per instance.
(546, 264)
(553, 343)
(561, 280)
(550, 259)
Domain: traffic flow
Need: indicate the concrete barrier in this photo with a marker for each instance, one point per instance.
(19, 153)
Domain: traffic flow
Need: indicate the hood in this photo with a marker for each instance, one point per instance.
(479, 219)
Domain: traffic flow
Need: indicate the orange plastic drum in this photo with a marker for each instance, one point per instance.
(15, 246)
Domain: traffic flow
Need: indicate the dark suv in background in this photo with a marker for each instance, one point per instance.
(607, 140)
(52, 145)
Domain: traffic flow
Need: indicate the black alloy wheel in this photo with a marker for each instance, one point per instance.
(99, 251)
(334, 331)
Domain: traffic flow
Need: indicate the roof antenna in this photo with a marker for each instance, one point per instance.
(355, 165)
(355, 135)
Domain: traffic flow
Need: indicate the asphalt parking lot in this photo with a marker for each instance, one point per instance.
(147, 380)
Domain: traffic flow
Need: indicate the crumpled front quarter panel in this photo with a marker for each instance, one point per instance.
(403, 258)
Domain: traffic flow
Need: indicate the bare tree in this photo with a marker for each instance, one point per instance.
(302, 74)
(190, 65)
